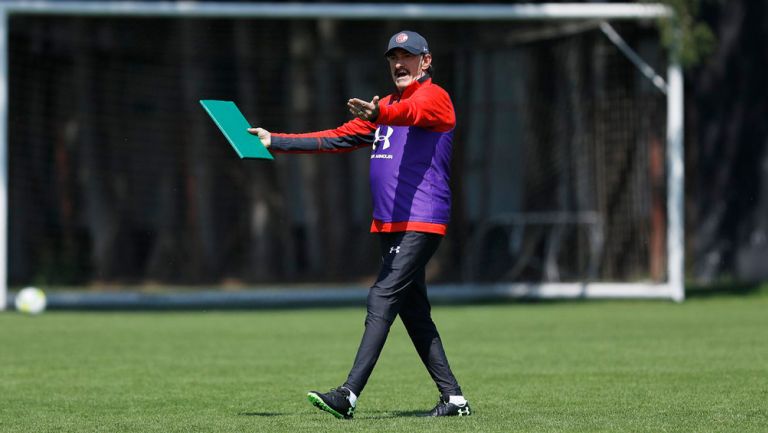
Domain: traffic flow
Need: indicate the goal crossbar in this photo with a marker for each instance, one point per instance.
(406, 11)
(673, 288)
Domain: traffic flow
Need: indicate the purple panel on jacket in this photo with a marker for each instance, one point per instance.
(409, 174)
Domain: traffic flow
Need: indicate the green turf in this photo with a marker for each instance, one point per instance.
(632, 366)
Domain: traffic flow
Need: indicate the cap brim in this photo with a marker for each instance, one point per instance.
(410, 50)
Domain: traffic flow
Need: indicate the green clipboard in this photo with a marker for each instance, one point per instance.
(233, 125)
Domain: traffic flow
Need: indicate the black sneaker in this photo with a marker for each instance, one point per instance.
(445, 408)
(336, 402)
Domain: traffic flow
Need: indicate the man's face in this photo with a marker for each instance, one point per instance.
(406, 67)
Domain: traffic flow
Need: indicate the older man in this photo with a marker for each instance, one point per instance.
(410, 132)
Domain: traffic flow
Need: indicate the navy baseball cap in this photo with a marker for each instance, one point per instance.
(410, 41)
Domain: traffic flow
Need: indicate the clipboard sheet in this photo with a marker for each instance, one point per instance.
(234, 126)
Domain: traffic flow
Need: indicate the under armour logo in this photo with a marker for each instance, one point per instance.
(385, 138)
(394, 249)
(464, 411)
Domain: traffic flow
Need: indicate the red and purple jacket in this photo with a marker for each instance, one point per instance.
(410, 157)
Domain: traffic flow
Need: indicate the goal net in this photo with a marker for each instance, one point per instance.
(116, 177)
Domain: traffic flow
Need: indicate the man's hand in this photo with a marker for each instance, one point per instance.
(364, 110)
(263, 134)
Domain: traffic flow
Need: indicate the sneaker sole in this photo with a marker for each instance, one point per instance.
(320, 404)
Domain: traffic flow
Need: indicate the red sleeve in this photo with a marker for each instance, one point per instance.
(429, 107)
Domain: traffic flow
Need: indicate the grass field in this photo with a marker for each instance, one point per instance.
(619, 366)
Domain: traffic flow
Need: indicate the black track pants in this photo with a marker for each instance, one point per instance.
(401, 289)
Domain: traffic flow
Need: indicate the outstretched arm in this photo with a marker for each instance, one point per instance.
(349, 136)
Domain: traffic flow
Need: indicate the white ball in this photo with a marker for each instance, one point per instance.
(30, 300)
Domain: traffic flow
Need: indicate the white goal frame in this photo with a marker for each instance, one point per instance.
(673, 288)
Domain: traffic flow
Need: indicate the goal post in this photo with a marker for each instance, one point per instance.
(671, 288)
(3, 157)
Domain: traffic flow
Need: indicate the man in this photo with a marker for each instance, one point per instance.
(410, 132)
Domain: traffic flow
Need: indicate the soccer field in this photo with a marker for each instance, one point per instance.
(618, 366)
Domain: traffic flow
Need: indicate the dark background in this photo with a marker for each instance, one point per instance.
(117, 176)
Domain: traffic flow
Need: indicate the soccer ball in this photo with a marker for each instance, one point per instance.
(30, 300)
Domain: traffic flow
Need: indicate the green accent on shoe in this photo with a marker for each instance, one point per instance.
(320, 404)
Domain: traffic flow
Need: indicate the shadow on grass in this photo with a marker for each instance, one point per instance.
(264, 414)
(397, 414)
(367, 415)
